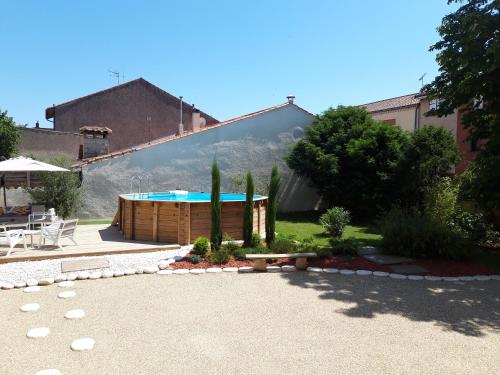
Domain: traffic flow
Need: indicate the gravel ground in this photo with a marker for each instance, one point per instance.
(21, 271)
(288, 323)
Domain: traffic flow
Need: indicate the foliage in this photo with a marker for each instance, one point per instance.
(229, 244)
(308, 245)
(10, 136)
(284, 244)
(248, 213)
(351, 159)
(469, 79)
(256, 240)
(238, 184)
(272, 205)
(441, 201)
(215, 208)
(195, 259)
(428, 156)
(474, 226)
(58, 190)
(334, 221)
(201, 247)
(240, 253)
(344, 246)
(220, 256)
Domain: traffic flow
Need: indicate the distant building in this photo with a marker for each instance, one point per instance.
(408, 112)
(136, 112)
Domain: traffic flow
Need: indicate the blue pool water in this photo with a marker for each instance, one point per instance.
(190, 197)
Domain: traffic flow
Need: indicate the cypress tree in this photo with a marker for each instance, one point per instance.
(248, 213)
(215, 207)
(272, 205)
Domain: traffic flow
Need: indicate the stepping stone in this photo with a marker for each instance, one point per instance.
(20, 284)
(84, 264)
(347, 272)
(197, 271)
(82, 344)
(74, 314)
(273, 269)
(36, 333)
(118, 273)
(314, 269)
(482, 278)
(31, 289)
(363, 272)
(230, 269)
(165, 272)
(32, 282)
(50, 371)
(466, 278)
(368, 250)
(181, 271)
(29, 307)
(415, 277)
(46, 281)
(380, 273)
(67, 294)
(330, 270)
(408, 269)
(288, 268)
(83, 275)
(95, 275)
(387, 259)
(151, 269)
(66, 284)
(7, 286)
(129, 272)
(106, 274)
(214, 270)
(433, 278)
(245, 269)
(397, 276)
(60, 278)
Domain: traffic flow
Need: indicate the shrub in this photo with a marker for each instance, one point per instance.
(240, 253)
(230, 244)
(284, 244)
(10, 136)
(195, 259)
(256, 240)
(474, 226)
(441, 201)
(220, 256)
(248, 213)
(307, 245)
(345, 246)
(215, 208)
(334, 221)
(272, 205)
(201, 247)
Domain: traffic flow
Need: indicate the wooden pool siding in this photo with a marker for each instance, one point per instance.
(183, 222)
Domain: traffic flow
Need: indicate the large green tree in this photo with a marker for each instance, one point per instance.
(248, 213)
(10, 136)
(469, 58)
(216, 208)
(272, 205)
(351, 159)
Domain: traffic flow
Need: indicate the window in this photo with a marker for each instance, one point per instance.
(391, 121)
(434, 104)
(478, 103)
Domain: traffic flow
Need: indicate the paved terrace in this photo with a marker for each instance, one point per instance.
(92, 240)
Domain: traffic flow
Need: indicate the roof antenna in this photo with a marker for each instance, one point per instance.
(421, 79)
(116, 75)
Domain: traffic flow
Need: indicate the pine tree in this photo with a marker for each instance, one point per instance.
(215, 206)
(248, 213)
(272, 205)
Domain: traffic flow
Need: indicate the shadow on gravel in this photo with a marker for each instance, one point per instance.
(469, 308)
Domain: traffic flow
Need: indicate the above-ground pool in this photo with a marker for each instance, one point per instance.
(182, 216)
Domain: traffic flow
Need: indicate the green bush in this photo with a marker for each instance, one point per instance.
(230, 244)
(307, 245)
(284, 244)
(345, 246)
(201, 247)
(256, 240)
(335, 220)
(195, 259)
(474, 226)
(240, 253)
(220, 256)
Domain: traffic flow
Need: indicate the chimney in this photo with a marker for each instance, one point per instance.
(196, 120)
(290, 98)
(37, 125)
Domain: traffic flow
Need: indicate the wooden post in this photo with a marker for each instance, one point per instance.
(155, 221)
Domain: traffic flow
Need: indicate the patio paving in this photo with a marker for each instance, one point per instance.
(92, 240)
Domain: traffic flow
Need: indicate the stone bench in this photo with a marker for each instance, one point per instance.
(300, 259)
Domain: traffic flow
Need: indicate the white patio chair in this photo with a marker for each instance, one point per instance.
(58, 230)
(11, 238)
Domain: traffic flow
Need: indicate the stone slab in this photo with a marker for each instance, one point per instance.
(408, 269)
(368, 250)
(83, 264)
(387, 259)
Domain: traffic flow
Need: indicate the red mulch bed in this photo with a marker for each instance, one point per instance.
(436, 267)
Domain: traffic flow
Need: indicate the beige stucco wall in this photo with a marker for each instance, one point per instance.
(405, 117)
(449, 122)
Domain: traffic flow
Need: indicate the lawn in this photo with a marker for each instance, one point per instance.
(305, 225)
(94, 221)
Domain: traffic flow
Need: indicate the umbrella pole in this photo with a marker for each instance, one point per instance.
(4, 192)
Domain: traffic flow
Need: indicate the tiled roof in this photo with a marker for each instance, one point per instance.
(186, 134)
(410, 100)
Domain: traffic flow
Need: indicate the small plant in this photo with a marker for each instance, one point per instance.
(242, 251)
(195, 259)
(346, 246)
(256, 240)
(220, 256)
(201, 247)
(229, 244)
(284, 244)
(335, 220)
(307, 245)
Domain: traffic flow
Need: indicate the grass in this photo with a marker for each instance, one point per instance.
(305, 225)
(94, 221)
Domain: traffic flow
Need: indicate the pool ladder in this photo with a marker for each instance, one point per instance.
(138, 179)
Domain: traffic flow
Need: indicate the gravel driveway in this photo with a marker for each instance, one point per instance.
(296, 323)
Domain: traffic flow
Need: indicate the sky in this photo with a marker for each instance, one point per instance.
(227, 57)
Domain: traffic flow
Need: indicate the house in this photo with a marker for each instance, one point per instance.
(253, 142)
(408, 112)
(136, 112)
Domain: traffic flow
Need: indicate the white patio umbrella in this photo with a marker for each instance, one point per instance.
(22, 164)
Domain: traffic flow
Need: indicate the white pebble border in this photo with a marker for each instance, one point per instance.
(49, 371)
